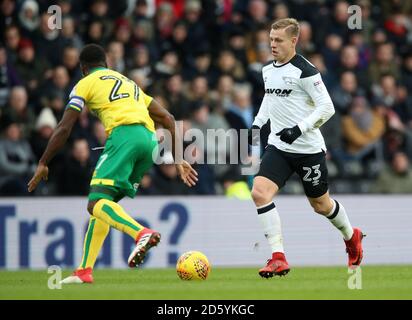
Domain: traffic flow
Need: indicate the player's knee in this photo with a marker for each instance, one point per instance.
(320, 207)
(260, 197)
(90, 207)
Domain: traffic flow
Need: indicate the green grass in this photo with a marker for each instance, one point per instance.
(378, 282)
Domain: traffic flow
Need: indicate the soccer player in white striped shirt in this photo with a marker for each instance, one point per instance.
(297, 103)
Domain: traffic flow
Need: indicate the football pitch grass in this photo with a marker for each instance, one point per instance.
(378, 282)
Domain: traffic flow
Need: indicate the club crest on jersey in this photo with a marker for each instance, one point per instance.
(279, 92)
(289, 80)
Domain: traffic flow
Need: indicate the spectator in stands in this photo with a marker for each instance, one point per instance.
(82, 128)
(356, 38)
(19, 111)
(8, 76)
(256, 40)
(140, 11)
(331, 51)
(201, 66)
(143, 35)
(168, 65)
(396, 178)
(69, 34)
(385, 92)
(407, 71)
(180, 44)
(305, 45)
(240, 113)
(237, 44)
(280, 11)
(165, 180)
(255, 75)
(77, 170)
(338, 23)
(368, 25)
(199, 89)
(223, 95)
(49, 42)
(196, 31)
(349, 61)
(71, 63)
(203, 119)
(123, 34)
(343, 94)
(140, 79)
(176, 100)
(99, 11)
(228, 64)
(66, 7)
(8, 13)
(45, 124)
(96, 33)
(115, 56)
(234, 186)
(397, 26)
(362, 128)
(384, 63)
(164, 22)
(140, 63)
(55, 100)
(257, 14)
(12, 39)
(31, 68)
(17, 162)
(58, 85)
(29, 17)
(397, 137)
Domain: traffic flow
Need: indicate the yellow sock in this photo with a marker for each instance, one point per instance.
(93, 241)
(114, 215)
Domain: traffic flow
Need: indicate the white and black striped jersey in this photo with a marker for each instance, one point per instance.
(295, 95)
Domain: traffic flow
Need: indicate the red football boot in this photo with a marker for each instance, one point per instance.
(146, 239)
(354, 248)
(277, 266)
(79, 276)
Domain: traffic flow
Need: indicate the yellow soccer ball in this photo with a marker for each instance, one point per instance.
(193, 265)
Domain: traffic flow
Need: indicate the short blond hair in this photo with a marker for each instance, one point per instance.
(290, 25)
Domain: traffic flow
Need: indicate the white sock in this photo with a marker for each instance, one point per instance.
(270, 220)
(340, 220)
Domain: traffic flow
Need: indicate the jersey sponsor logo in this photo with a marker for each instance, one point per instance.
(279, 92)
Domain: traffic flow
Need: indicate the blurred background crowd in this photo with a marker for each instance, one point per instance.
(202, 60)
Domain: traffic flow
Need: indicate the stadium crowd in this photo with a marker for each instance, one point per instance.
(202, 60)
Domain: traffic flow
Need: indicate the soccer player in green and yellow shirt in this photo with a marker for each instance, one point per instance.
(129, 117)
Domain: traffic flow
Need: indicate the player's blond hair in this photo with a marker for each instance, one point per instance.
(290, 25)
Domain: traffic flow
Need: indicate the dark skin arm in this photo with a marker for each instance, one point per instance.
(56, 142)
(161, 116)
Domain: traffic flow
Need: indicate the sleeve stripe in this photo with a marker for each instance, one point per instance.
(78, 97)
(73, 107)
(75, 104)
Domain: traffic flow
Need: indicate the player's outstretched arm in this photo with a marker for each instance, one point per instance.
(161, 116)
(56, 142)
